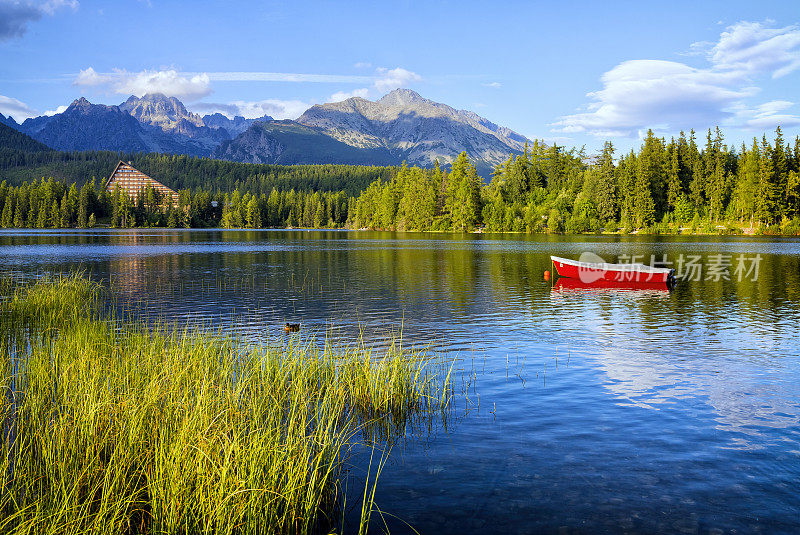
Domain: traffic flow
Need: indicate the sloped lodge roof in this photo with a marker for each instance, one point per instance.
(132, 181)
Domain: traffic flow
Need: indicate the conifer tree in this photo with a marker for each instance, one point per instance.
(19, 212)
(651, 170)
(793, 194)
(7, 217)
(644, 210)
(780, 167)
(605, 197)
(54, 219)
(65, 220)
(747, 185)
(83, 208)
(42, 215)
(418, 204)
(172, 217)
(320, 217)
(673, 177)
(767, 207)
(253, 213)
(465, 194)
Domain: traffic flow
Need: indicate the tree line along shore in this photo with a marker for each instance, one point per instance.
(666, 187)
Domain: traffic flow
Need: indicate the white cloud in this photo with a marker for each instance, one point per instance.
(668, 95)
(228, 110)
(699, 48)
(169, 82)
(283, 77)
(643, 93)
(192, 86)
(344, 95)
(60, 109)
(768, 115)
(275, 108)
(751, 48)
(278, 109)
(50, 6)
(385, 80)
(389, 79)
(15, 108)
(16, 15)
(90, 77)
(493, 84)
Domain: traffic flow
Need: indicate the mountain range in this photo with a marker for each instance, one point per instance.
(401, 126)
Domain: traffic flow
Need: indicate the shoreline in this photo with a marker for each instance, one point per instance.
(744, 231)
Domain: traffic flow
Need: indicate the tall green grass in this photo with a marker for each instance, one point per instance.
(113, 427)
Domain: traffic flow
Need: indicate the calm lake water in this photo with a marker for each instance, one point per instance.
(578, 411)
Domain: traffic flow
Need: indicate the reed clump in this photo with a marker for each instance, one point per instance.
(112, 427)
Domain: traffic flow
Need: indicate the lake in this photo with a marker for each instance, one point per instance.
(577, 410)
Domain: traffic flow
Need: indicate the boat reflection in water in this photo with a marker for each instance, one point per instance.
(566, 284)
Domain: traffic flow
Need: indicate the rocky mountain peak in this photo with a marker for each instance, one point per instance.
(402, 97)
(156, 109)
(234, 126)
(80, 104)
(400, 126)
(415, 129)
(160, 97)
(9, 121)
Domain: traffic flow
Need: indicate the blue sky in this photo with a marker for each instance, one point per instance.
(577, 73)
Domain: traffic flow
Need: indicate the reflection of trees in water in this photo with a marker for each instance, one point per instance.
(720, 344)
(311, 277)
(725, 340)
(141, 276)
(339, 273)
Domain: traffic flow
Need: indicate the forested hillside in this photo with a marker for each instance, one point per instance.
(13, 140)
(181, 172)
(664, 187)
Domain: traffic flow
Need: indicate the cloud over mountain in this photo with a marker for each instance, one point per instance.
(191, 86)
(15, 108)
(402, 126)
(168, 82)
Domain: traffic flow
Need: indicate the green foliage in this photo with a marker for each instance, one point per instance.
(189, 172)
(119, 427)
(13, 141)
(545, 189)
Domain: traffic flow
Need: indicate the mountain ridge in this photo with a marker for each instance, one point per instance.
(171, 116)
(401, 126)
(87, 126)
(415, 129)
(289, 142)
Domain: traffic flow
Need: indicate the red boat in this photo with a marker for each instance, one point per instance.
(590, 272)
(567, 284)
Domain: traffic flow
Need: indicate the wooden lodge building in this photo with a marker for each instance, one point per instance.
(132, 181)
